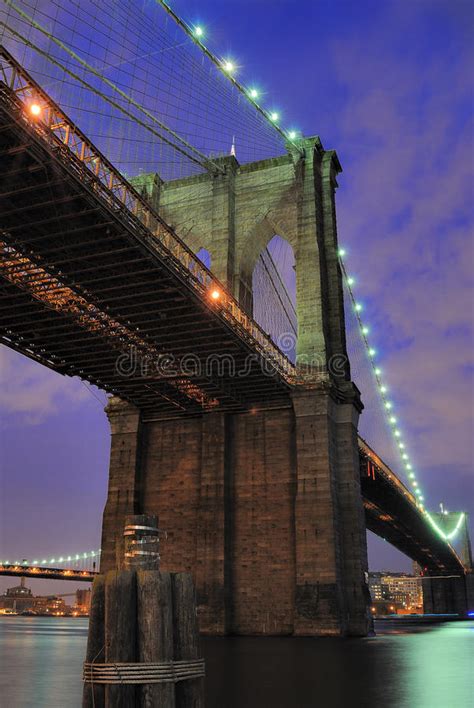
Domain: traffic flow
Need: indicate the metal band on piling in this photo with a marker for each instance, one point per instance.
(141, 541)
(133, 673)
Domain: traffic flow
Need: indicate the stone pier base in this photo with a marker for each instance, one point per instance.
(445, 596)
(263, 508)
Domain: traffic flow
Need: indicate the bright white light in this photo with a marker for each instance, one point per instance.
(378, 371)
(274, 116)
(358, 307)
(229, 66)
(372, 352)
(383, 389)
(342, 252)
(365, 330)
(35, 109)
(397, 433)
(405, 456)
(215, 294)
(350, 280)
(253, 93)
(388, 405)
(292, 134)
(198, 31)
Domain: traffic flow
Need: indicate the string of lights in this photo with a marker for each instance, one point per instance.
(452, 534)
(228, 67)
(388, 407)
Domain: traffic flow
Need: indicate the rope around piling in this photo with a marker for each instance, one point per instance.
(139, 673)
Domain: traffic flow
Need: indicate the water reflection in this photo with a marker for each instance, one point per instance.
(405, 666)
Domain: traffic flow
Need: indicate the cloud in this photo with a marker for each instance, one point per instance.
(405, 212)
(30, 393)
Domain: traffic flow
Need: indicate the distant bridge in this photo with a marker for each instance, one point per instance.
(34, 571)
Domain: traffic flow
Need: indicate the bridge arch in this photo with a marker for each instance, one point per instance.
(251, 246)
(204, 256)
(235, 213)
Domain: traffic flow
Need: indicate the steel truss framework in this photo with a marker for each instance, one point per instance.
(99, 273)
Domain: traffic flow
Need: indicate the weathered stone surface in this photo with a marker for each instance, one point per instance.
(122, 498)
(447, 595)
(263, 507)
(264, 510)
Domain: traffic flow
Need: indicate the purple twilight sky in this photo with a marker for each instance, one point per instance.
(389, 86)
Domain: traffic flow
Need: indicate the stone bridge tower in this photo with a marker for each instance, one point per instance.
(264, 506)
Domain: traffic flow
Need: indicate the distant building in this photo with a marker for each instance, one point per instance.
(399, 591)
(83, 601)
(51, 605)
(18, 598)
(405, 590)
(378, 590)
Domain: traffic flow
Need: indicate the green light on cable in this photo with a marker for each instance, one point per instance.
(439, 530)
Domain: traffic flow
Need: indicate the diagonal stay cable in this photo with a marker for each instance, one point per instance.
(219, 64)
(290, 316)
(196, 155)
(101, 95)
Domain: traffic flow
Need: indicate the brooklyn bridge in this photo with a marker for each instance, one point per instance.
(233, 409)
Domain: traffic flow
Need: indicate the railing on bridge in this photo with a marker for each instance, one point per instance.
(373, 459)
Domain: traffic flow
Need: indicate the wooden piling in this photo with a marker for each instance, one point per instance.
(155, 633)
(145, 621)
(93, 695)
(120, 632)
(190, 693)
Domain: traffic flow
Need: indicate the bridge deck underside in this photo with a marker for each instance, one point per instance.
(52, 214)
(392, 515)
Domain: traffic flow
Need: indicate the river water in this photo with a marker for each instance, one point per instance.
(404, 666)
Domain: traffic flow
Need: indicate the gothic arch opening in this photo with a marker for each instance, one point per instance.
(274, 294)
(205, 257)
